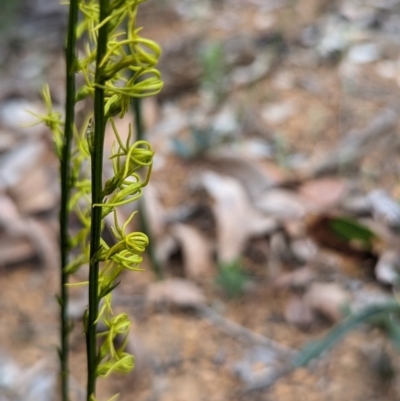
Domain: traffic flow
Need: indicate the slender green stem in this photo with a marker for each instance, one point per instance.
(70, 56)
(97, 189)
(150, 249)
(154, 262)
(137, 109)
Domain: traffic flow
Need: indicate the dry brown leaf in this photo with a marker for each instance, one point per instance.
(385, 208)
(15, 250)
(34, 193)
(281, 204)
(387, 270)
(196, 250)
(44, 239)
(136, 347)
(237, 220)
(253, 179)
(324, 193)
(304, 249)
(8, 212)
(328, 299)
(279, 253)
(176, 292)
(40, 235)
(7, 140)
(151, 112)
(154, 211)
(298, 313)
(165, 247)
(297, 279)
(19, 161)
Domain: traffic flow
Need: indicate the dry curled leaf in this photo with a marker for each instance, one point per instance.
(297, 279)
(15, 250)
(196, 250)
(154, 211)
(328, 299)
(25, 237)
(253, 178)
(35, 194)
(281, 204)
(324, 193)
(304, 249)
(176, 292)
(385, 208)
(298, 313)
(237, 220)
(387, 270)
(19, 161)
(44, 239)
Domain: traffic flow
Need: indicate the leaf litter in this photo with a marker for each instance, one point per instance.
(321, 201)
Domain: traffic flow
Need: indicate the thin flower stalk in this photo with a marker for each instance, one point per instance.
(70, 55)
(117, 65)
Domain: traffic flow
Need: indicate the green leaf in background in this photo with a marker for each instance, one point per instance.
(349, 229)
(315, 349)
(391, 327)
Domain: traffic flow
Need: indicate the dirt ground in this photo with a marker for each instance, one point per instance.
(316, 84)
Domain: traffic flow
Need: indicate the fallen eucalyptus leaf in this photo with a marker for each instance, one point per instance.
(387, 270)
(15, 250)
(19, 161)
(281, 204)
(197, 252)
(298, 313)
(385, 208)
(324, 193)
(304, 249)
(154, 210)
(35, 194)
(328, 299)
(250, 175)
(237, 220)
(176, 292)
(297, 279)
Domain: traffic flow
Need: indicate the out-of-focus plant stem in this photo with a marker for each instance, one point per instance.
(145, 226)
(70, 56)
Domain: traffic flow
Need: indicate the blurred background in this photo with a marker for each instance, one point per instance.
(273, 206)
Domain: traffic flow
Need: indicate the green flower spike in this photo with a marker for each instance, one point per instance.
(116, 65)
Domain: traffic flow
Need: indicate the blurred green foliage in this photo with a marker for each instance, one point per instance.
(382, 316)
(348, 229)
(212, 60)
(232, 278)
